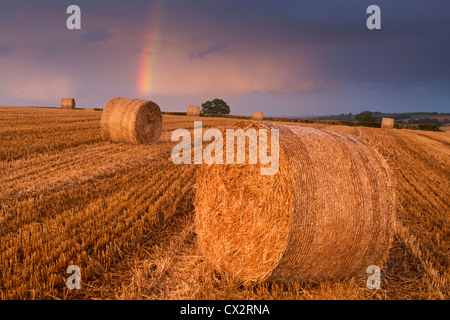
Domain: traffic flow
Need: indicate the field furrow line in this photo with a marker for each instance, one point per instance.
(84, 167)
(18, 213)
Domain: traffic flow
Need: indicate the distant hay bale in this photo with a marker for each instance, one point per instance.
(387, 123)
(258, 115)
(131, 120)
(327, 214)
(68, 103)
(193, 111)
(89, 109)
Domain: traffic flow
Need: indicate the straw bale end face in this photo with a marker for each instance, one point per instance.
(68, 103)
(258, 116)
(387, 123)
(131, 120)
(193, 111)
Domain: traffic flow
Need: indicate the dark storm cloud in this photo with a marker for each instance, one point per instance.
(96, 36)
(413, 44)
(209, 50)
(317, 41)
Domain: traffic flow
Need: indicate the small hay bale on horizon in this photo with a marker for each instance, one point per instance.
(131, 120)
(258, 116)
(68, 103)
(387, 123)
(193, 111)
(328, 213)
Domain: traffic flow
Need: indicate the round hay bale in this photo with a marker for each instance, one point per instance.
(68, 103)
(387, 123)
(258, 116)
(193, 111)
(328, 212)
(131, 120)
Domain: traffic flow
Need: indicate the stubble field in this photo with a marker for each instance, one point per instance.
(124, 214)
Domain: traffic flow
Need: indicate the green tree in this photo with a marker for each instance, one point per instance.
(217, 106)
(366, 116)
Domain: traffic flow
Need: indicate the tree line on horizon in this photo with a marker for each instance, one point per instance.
(369, 116)
(220, 107)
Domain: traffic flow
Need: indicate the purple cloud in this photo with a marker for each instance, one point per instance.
(211, 49)
(96, 36)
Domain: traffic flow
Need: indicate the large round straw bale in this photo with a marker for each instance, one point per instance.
(131, 120)
(68, 103)
(327, 213)
(193, 111)
(387, 123)
(258, 115)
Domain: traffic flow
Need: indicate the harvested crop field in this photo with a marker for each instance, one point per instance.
(124, 214)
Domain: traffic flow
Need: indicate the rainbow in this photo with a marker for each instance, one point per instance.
(150, 49)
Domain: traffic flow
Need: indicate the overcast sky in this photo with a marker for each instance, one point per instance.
(285, 58)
